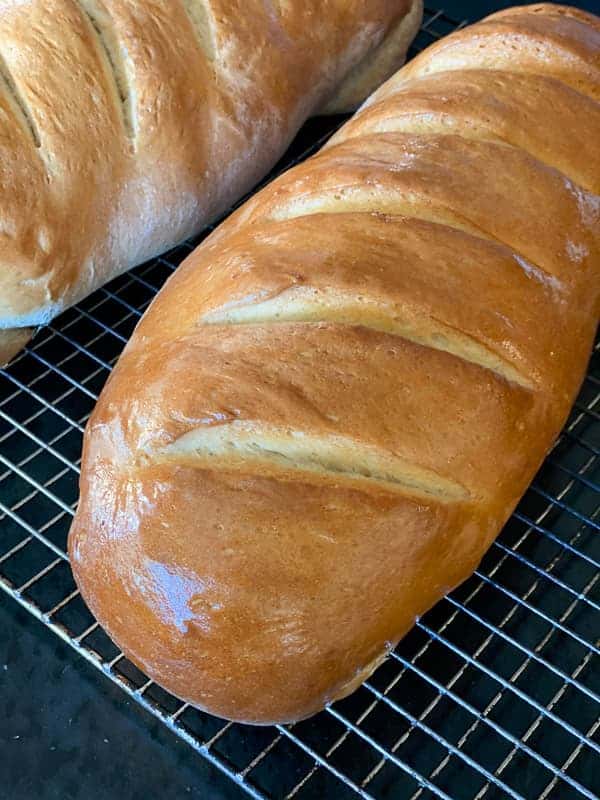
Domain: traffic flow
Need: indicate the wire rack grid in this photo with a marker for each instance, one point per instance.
(494, 694)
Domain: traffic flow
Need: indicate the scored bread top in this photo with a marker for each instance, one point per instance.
(126, 126)
(330, 410)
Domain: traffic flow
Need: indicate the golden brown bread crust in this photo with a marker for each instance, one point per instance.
(327, 415)
(373, 70)
(127, 126)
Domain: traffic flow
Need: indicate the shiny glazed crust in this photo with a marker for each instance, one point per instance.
(334, 405)
(127, 126)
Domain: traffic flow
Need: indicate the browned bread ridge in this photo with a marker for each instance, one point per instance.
(329, 412)
(127, 125)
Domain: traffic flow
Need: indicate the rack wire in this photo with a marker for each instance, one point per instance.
(495, 693)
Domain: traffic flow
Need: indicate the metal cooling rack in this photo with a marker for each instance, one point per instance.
(495, 692)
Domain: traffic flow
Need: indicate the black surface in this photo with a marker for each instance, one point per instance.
(474, 9)
(66, 732)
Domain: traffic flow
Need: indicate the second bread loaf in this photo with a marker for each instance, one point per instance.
(127, 126)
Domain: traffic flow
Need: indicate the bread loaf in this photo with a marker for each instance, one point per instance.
(127, 126)
(331, 409)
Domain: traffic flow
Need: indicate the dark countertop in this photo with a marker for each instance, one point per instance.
(473, 9)
(67, 733)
